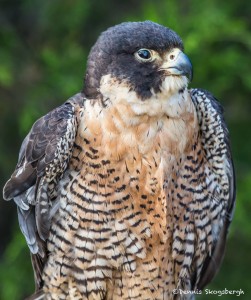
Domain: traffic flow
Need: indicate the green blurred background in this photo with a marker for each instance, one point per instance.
(43, 51)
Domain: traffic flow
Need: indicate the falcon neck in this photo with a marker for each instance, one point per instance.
(128, 126)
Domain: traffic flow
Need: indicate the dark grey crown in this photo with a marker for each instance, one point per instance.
(124, 39)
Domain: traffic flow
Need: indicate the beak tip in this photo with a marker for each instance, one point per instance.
(190, 74)
(186, 66)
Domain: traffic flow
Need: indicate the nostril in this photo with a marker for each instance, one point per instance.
(172, 56)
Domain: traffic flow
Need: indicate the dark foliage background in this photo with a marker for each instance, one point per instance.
(43, 50)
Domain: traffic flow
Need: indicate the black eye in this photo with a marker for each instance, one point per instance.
(143, 55)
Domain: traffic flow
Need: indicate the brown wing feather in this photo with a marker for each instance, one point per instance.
(37, 150)
(41, 163)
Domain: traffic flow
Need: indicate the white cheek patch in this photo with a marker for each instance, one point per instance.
(167, 102)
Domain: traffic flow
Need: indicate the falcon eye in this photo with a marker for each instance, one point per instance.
(144, 55)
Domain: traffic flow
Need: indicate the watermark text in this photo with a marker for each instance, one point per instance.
(209, 292)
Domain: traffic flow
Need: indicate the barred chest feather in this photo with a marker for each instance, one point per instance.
(124, 228)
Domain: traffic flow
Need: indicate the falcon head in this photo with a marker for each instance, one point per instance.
(144, 58)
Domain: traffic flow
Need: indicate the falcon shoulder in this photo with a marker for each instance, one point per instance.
(43, 158)
(214, 138)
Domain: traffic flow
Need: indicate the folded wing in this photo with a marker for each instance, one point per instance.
(215, 141)
(43, 159)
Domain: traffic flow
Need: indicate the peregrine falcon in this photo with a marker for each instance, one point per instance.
(127, 190)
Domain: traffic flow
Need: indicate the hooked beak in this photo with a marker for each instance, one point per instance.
(177, 64)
